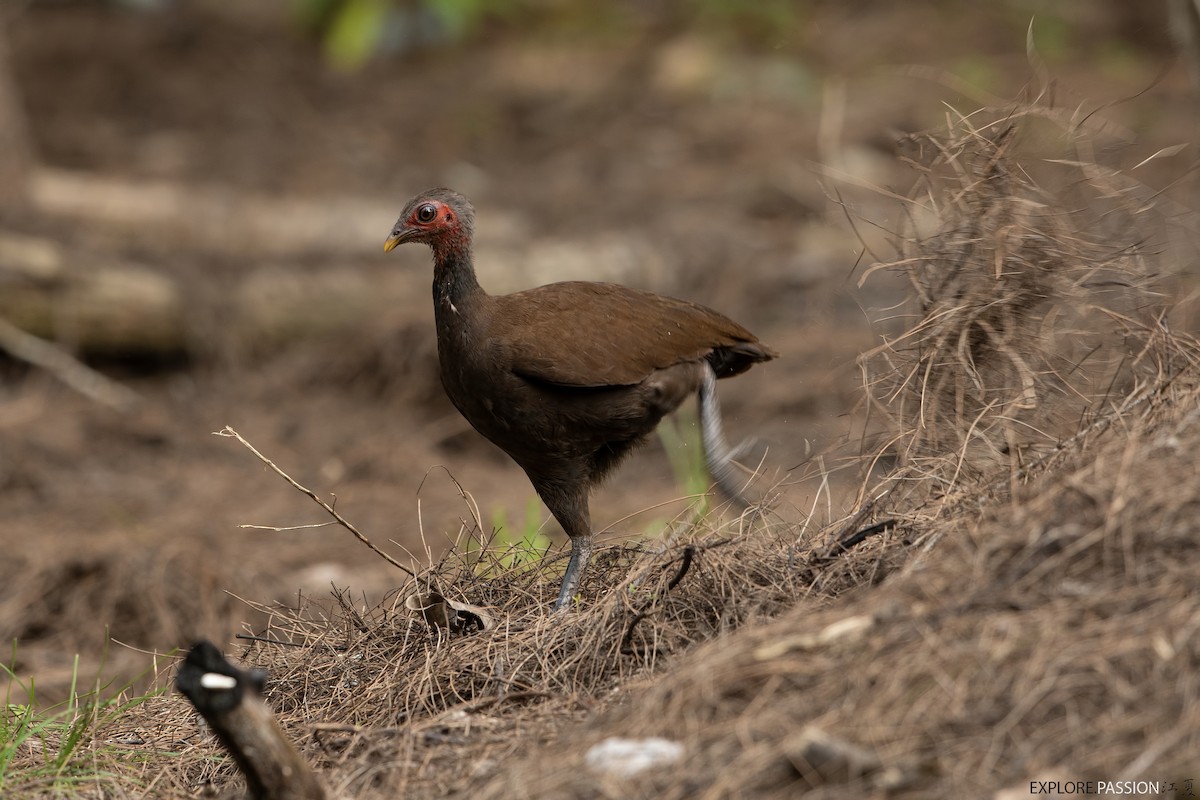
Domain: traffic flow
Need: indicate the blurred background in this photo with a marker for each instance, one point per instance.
(194, 196)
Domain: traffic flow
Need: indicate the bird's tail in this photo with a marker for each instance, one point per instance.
(718, 455)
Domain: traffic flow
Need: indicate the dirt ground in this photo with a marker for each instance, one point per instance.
(761, 180)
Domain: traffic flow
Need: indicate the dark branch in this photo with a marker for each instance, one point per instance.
(689, 554)
(230, 701)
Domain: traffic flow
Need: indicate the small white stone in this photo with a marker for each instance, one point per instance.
(627, 757)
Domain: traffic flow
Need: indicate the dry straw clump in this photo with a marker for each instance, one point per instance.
(1025, 615)
(1027, 305)
(388, 704)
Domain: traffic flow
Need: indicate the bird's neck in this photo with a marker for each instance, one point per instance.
(455, 287)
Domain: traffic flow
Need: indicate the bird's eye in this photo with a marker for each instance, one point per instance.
(426, 213)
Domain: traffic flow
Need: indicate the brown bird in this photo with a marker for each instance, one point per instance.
(567, 378)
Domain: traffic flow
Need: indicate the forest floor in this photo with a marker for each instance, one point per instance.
(1027, 612)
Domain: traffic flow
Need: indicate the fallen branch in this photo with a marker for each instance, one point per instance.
(231, 433)
(68, 369)
(230, 700)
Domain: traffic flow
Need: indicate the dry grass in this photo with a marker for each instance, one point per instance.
(1030, 308)
(385, 704)
(1029, 614)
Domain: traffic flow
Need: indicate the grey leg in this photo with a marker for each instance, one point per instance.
(581, 551)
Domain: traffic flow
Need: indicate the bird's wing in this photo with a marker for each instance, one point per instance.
(600, 334)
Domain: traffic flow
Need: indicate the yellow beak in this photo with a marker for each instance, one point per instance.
(391, 243)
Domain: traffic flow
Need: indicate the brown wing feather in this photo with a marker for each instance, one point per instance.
(601, 334)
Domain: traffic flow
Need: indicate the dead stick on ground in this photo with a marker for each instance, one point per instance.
(66, 368)
(231, 433)
(230, 700)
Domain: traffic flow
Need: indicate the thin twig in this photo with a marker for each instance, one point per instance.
(689, 553)
(844, 545)
(231, 433)
(285, 528)
(268, 640)
(510, 697)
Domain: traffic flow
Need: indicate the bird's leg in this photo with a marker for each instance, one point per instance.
(568, 502)
(718, 455)
(581, 551)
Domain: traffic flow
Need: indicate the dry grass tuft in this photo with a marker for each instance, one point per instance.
(382, 701)
(1029, 302)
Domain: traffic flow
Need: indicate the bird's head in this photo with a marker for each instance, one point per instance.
(440, 218)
